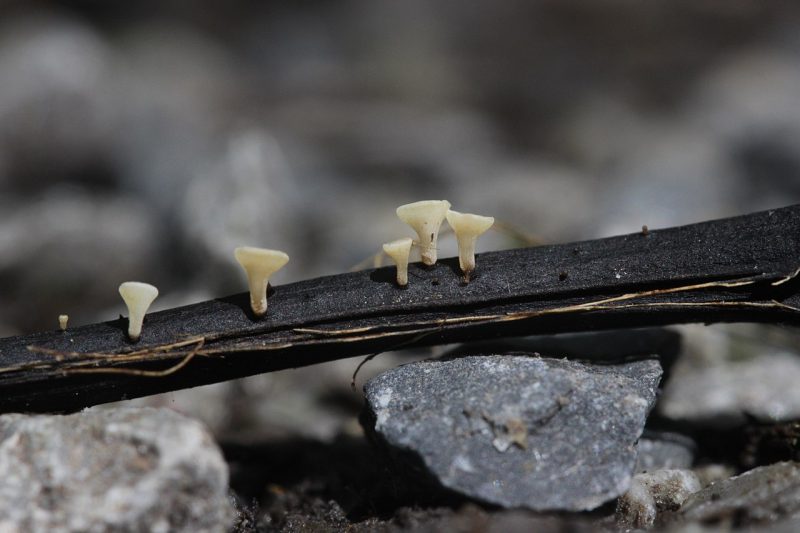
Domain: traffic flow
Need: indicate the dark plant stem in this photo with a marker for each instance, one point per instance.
(737, 269)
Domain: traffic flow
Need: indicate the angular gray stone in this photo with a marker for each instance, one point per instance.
(764, 494)
(111, 470)
(517, 431)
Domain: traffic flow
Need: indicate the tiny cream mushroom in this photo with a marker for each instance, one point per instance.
(259, 264)
(138, 297)
(468, 228)
(62, 322)
(398, 250)
(425, 218)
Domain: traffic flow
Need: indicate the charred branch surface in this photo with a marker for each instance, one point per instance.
(738, 269)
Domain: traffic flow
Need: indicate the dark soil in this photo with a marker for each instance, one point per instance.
(305, 485)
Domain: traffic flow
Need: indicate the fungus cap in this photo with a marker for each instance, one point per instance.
(469, 224)
(137, 296)
(468, 228)
(399, 251)
(259, 264)
(62, 321)
(425, 217)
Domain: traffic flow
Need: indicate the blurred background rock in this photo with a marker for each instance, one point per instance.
(144, 140)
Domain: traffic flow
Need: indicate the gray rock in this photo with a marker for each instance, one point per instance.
(664, 451)
(764, 494)
(517, 431)
(727, 392)
(111, 470)
(655, 492)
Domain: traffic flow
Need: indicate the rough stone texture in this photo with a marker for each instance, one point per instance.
(664, 451)
(655, 492)
(111, 470)
(728, 392)
(765, 494)
(517, 431)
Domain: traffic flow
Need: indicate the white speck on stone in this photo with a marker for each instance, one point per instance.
(636, 401)
(385, 398)
(501, 445)
(383, 411)
(119, 499)
(462, 463)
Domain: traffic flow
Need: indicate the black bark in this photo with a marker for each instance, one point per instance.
(737, 269)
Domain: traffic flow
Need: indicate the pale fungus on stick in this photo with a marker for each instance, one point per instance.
(468, 228)
(62, 322)
(425, 218)
(137, 296)
(399, 250)
(259, 264)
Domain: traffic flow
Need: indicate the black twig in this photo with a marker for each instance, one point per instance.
(737, 269)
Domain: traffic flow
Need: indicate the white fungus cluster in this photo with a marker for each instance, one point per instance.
(426, 218)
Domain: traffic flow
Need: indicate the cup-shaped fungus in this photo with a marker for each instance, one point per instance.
(398, 250)
(62, 322)
(468, 228)
(425, 218)
(138, 297)
(259, 264)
